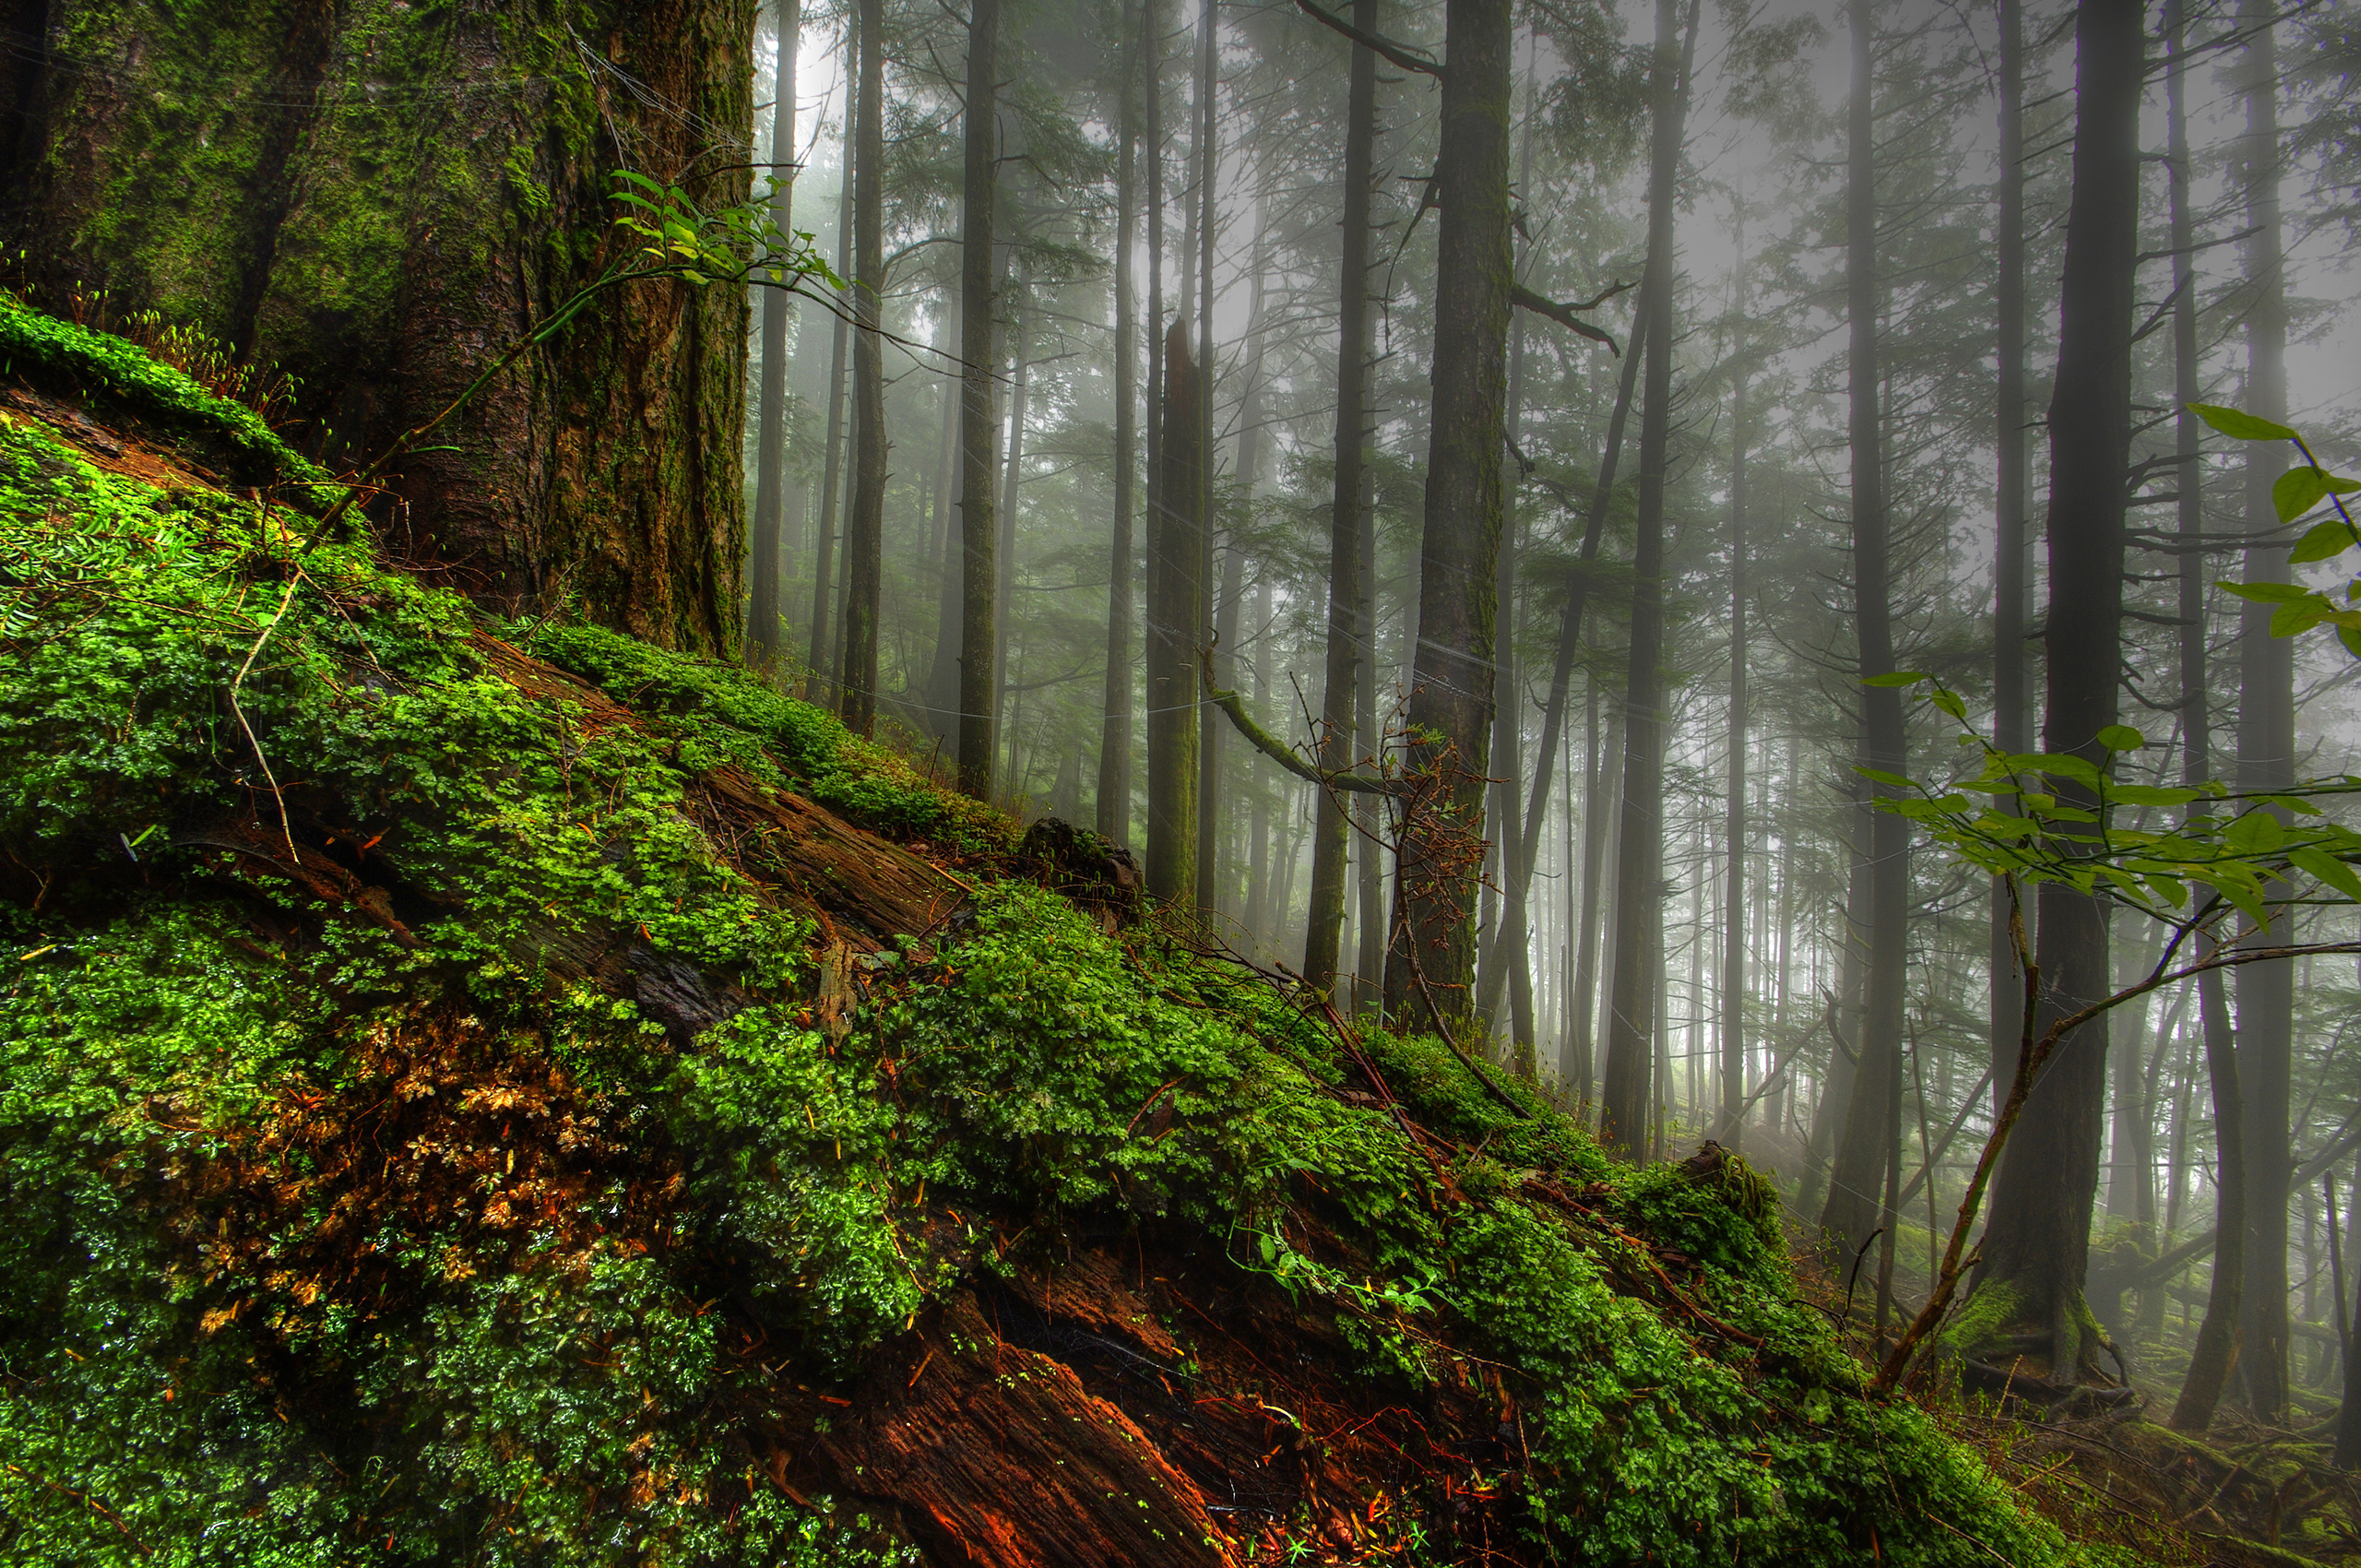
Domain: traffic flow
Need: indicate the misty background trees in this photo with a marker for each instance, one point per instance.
(1223, 427)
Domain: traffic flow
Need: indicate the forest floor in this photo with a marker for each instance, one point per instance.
(504, 1093)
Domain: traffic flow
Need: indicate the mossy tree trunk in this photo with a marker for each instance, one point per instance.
(1432, 963)
(379, 197)
(1176, 604)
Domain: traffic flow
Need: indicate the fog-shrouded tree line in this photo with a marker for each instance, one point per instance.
(1539, 420)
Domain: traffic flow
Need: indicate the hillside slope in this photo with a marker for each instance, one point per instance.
(476, 1092)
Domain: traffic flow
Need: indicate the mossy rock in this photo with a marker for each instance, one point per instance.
(506, 1094)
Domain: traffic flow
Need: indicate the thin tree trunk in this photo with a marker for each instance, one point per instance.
(1114, 793)
(1734, 827)
(1598, 812)
(2266, 992)
(1369, 854)
(1012, 472)
(1628, 1092)
(2038, 1244)
(824, 588)
(1868, 1141)
(942, 671)
(978, 424)
(2012, 702)
(1835, 1101)
(1209, 736)
(763, 632)
(1349, 628)
(865, 531)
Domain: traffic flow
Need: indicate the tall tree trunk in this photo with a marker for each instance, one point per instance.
(1507, 961)
(1867, 1145)
(1114, 793)
(1600, 812)
(1152, 63)
(1629, 1090)
(1175, 607)
(2038, 1244)
(2266, 992)
(368, 202)
(942, 712)
(1209, 737)
(865, 528)
(2012, 701)
(763, 632)
(1835, 1103)
(1734, 827)
(2214, 1354)
(823, 585)
(1430, 966)
(1370, 854)
(1228, 614)
(1350, 632)
(978, 422)
(1004, 516)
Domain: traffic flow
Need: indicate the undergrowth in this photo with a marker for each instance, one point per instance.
(359, 1213)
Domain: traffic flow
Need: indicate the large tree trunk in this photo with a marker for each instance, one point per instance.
(865, 528)
(1349, 631)
(1628, 1090)
(2011, 704)
(360, 197)
(1430, 966)
(2038, 1244)
(1113, 801)
(765, 635)
(1866, 1147)
(2266, 992)
(978, 427)
(1175, 606)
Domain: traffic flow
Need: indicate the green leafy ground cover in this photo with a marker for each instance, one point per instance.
(352, 1220)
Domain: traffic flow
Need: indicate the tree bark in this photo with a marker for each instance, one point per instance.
(1628, 1094)
(1113, 801)
(1209, 737)
(2266, 992)
(1870, 1128)
(865, 527)
(1734, 827)
(2011, 705)
(2214, 1354)
(765, 635)
(1176, 606)
(1430, 968)
(2039, 1244)
(359, 198)
(1349, 631)
(978, 422)
(823, 585)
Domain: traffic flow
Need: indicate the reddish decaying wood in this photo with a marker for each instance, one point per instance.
(999, 1456)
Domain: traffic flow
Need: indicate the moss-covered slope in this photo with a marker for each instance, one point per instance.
(495, 1093)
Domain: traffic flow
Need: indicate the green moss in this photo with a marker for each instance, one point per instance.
(66, 358)
(509, 1350)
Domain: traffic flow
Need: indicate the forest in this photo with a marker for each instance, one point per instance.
(1043, 782)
